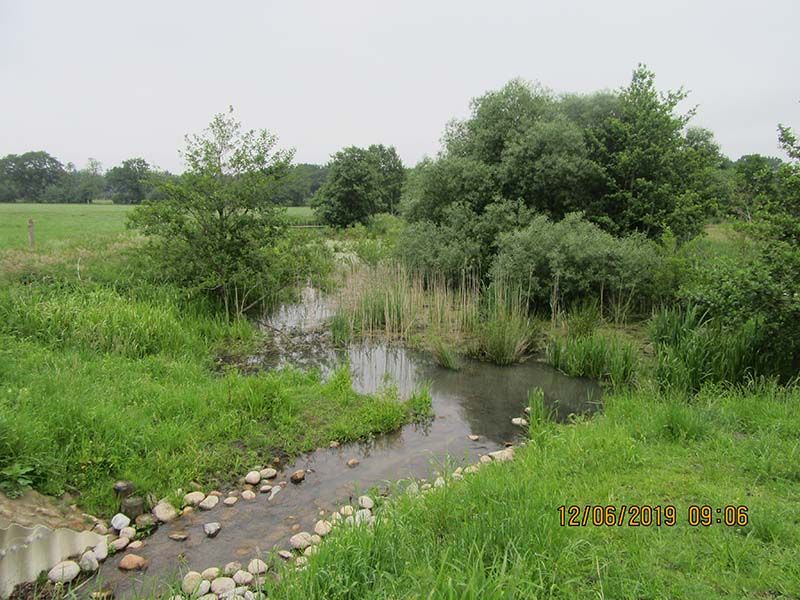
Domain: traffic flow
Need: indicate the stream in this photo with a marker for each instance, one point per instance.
(479, 399)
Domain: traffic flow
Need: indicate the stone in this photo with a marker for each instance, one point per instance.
(502, 455)
(253, 478)
(485, 459)
(144, 521)
(301, 561)
(212, 529)
(128, 532)
(230, 501)
(412, 489)
(215, 493)
(440, 482)
(101, 550)
(64, 572)
(210, 574)
(257, 566)
(473, 438)
(300, 541)
(347, 510)
(100, 529)
(222, 585)
(349, 520)
(333, 444)
(268, 473)
(471, 469)
(193, 498)
(119, 544)
(315, 539)
(133, 506)
(335, 517)
(284, 554)
(363, 516)
(274, 492)
(322, 528)
(243, 577)
(265, 488)
(132, 562)
(208, 596)
(353, 462)
(232, 567)
(187, 510)
(178, 536)
(106, 594)
(519, 421)
(118, 521)
(248, 495)
(209, 502)
(425, 487)
(191, 583)
(165, 512)
(298, 476)
(88, 562)
(527, 410)
(135, 545)
(365, 502)
(124, 488)
(310, 550)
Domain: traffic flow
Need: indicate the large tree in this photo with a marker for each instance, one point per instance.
(26, 176)
(216, 227)
(128, 182)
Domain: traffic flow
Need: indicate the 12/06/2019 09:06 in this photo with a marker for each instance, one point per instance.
(646, 515)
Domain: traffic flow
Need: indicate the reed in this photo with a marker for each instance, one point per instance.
(600, 356)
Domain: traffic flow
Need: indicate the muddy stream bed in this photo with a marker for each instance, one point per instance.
(479, 399)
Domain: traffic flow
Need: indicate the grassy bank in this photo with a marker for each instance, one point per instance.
(497, 534)
(106, 373)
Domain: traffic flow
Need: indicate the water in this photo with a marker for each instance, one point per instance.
(480, 399)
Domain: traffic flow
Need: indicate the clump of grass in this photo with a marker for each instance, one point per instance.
(445, 355)
(583, 320)
(506, 332)
(599, 356)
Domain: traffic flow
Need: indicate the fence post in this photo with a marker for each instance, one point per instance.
(31, 236)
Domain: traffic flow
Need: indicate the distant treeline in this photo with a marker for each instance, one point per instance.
(39, 177)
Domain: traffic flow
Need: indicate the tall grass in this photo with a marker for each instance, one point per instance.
(601, 356)
(391, 302)
(693, 349)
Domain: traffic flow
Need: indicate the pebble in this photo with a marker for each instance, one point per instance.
(257, 566)
(215, 493)
(471, 469)
(191, 583)
(336, 516)
(210, 574)
(315, 539)
(232, 567)
(128, 532)
(274, 492)
(301, 561)
(333, 444)
(101, 550)
(64, 572)
(100, 529)
(120, 543)
(363, 516)
(527, 410)
(310, 550)
(485, 458)
(135, 545)
(209, 502)
(193, 498)
(222, 585)
(473, 437)
(212, 529)
(322, 528)
(243, 577)
(268, 473)
(284, 554)
(253, 477)
(502, 455)
(412, 489)
(365, 502)
(146, 520)
(165, 512)
(439, 482)
(132, 562)
(300, 541)
(519, 421)
(347, 510)
(248, 495)
(118, 521)
(265, 488)
(230, 501)
(88, 562)
(353, 462)
(298, 476)
(178, 536)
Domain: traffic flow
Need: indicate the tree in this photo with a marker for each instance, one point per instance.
(128, 182)
(301, 184)
(216, 228)
(26, 176)
(360, 183)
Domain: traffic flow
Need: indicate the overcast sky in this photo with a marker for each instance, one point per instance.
(112, 79)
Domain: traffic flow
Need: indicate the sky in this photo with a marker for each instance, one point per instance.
(113, 80)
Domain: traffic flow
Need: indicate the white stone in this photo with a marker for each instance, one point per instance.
(265, 488)
(274, 492)
(365, 502)
(209, 502)
(118, 521)
(322, 528)
(268, 473)
(253, 478)
(336, 516)
(440, 482)
(64, 572)
(128, 532)
(300, 541)
(165, 512)
(210, 574)
(502, 455)
(519, 421)
(88, 562)
(363, 516)
(284, 554)
(471, 469)
(193, 498)
(120, 543)
(412, 489)
(473, 437)
(191, 583)
(211, 529)
(222, 585)
(230, 501)
(248, 495)
(485, 458)
(347, 510)
(231, 568)
(301, 561)
(257, 566)
(310, 550)
(101, 550)
(243, 577)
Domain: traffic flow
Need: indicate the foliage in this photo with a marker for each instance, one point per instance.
(128, 183)
(25, 177)
(300, 185)
(360, 183)
(216, 229)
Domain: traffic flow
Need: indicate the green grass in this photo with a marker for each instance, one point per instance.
(301, 215)
(605, 356)
(497, 534)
